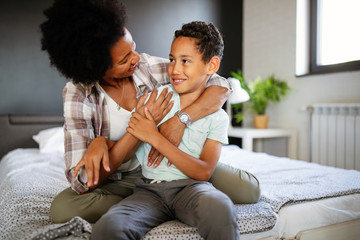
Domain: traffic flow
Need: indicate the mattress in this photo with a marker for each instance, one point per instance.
(294, 218)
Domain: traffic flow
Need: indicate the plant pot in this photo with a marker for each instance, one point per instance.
(261, 121)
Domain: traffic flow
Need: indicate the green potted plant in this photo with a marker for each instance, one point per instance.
(262, 93)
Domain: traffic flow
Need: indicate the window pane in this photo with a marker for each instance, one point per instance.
(338, 31)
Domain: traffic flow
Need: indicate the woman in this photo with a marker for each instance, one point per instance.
(87, 41)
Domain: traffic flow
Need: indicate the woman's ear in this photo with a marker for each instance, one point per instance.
(213, 65)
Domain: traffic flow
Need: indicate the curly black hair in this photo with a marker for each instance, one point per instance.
(209, 39)
(78, 36)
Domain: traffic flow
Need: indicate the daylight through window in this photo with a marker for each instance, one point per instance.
(338, 35)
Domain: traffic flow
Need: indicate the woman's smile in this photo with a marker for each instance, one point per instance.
(132, 69)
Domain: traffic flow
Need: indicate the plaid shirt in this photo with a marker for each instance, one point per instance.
(87, 117)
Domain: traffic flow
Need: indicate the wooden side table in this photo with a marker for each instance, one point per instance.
(249, 134)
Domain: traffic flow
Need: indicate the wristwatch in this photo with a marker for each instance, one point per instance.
(184, 117)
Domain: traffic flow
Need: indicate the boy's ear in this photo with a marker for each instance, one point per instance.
(213, 65)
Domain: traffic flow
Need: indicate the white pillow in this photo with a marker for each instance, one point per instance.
(50, 140)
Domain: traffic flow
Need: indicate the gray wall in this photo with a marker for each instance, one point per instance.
(30, 85)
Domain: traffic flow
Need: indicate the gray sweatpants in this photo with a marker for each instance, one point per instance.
(192, 202)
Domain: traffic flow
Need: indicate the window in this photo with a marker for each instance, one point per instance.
(328, 30)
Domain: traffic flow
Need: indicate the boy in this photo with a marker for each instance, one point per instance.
(180, 191)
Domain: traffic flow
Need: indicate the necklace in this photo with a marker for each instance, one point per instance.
(122, 94)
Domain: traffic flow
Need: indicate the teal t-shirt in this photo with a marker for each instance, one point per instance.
(213, 126)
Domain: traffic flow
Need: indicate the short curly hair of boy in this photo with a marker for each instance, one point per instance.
(209, 39)
(79, 34)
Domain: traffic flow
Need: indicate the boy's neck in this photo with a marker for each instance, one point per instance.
(187, 99)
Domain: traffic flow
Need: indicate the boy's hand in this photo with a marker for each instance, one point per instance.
(173, 130)
(96, 153)
(143, 128)
(158, 107)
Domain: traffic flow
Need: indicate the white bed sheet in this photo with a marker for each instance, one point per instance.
(295, 218)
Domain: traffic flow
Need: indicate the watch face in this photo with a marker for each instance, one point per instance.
(184, 118)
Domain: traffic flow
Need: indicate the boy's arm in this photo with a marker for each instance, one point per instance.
(217, 91)
(209, 102)
(200, 169)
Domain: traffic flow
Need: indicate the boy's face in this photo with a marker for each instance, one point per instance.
(187, 71)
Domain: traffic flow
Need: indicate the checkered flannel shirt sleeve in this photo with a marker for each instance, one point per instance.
(75, 182)
(78, 132)
(216, 80)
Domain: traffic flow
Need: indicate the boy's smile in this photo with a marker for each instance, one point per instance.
(177, 81)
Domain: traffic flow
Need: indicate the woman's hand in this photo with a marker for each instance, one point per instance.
(96, 153)
(158, 107)
(173, 130)
(143, 128)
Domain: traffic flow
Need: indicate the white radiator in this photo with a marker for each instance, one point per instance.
(335, 135)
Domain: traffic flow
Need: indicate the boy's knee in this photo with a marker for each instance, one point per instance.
(220, 204)
(111, 226)
(223, 225)
(104, 228)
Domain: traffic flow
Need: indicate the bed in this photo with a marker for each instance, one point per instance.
(299, 200)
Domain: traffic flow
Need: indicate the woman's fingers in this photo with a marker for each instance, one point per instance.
(158, 160)
(168, 108)
(141, 100)
(152, 156)
(151, 153)
(166, 101)
(153, 96)
(96, 172)
(77, 167)
(148, 114)
(106, 162)
(162, 96)
(89, 173)
(131, 125)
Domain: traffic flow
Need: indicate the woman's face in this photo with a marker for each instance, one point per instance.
(124, 58)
